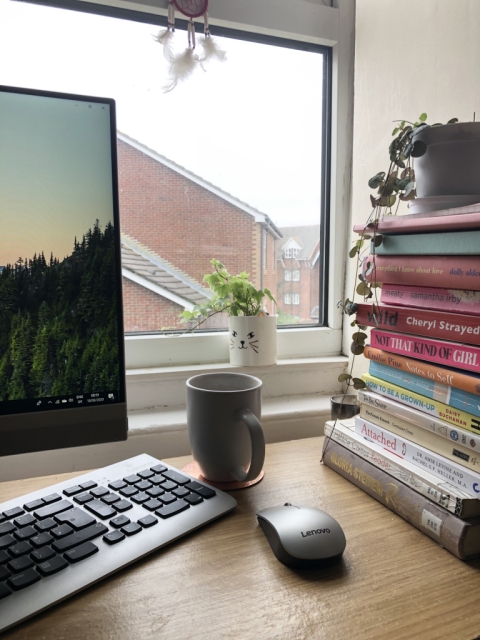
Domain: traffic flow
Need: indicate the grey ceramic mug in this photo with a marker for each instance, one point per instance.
(223, 418)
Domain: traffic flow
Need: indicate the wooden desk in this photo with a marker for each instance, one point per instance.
(223, 582)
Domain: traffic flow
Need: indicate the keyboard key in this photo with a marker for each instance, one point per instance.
(118, 484)
(128, 491)
(205, 492)
(154, 492)
(22, 580)
(4, 557)
(147, 521)
(132, 479)
(52, 509)
(102, 511)
(152, 504)
(44, 553)
(76, 518)
(20, 564)
(35, 504)
(83, 498)
(4, 572)
(167, 498)
(6, 527)
(148, 473)
(2, 518)
(113, 537)
(23, 521)
(131, 529)
(158, 468)
(45, 525)
(52, 497)
(86, 486)
(4, 591)
(25, 533)
(74, 539)
(140, 497)
(20, 549)
(172, 509)
(54, 565)
(156, 480)
(62, 531)
(123, 505)
(169, 485)
(176, 476)
(110, 498)
(99, 492)
(13, 513)
(41, 539)
(194, 499)
(119, 521)
(72, 491)
(7, 541)
(181, 492)
(85, 550)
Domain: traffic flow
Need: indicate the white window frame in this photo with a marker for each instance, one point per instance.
(296, 275)
(295, 298)
(287, 298)
(288, 275)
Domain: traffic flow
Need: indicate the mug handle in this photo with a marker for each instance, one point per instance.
(258, 447)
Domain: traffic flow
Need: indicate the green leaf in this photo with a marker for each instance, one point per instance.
(358, 383)
(350, 307)
(375, 182)
(343, 377)
(353, 252)
(395, 131)
(359, 337)
(373, 201)
(357, 349)
(363, 289)
(377, 241)
(387, 201)
(452, 121)
(423, 117)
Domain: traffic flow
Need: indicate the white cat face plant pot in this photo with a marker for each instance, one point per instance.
(253, 340)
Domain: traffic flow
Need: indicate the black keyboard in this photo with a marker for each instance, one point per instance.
(68, 536)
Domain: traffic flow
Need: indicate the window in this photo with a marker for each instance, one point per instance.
(123, 62)
(288, 275)
(296, 275)
(295, 298)
(291, 252)
(287, 298)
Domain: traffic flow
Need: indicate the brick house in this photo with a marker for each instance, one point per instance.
(298, 272)
(173, 223)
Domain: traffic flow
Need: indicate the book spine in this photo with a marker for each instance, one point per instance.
(440, 492)
(455, 452)
(452, 377)
(450, 471)
(453, 243)
(424, 420)
(437, 523)
(450, 300)
(423, 322)
(423, 223)
(422, 403)
(431, 389)
(428, 349)
(451, 272)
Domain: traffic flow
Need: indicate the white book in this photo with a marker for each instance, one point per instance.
(450, 471)
(431, 486)
(423, 420)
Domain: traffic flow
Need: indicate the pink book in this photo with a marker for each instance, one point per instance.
(456, 300)
(454, 354)
(450, 272)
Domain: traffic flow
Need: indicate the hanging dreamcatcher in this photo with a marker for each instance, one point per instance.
(183, 64)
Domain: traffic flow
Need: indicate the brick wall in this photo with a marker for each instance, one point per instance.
(144, 310)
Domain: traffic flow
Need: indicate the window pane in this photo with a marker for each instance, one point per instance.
(227, 165)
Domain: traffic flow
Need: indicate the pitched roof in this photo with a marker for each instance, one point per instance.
(306, 237)
(257, 215)
(147, 269)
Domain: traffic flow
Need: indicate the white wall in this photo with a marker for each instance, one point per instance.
(411, 57)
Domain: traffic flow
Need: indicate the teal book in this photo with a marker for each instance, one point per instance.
(454, 243)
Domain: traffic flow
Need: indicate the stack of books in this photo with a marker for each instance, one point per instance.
(415, 445)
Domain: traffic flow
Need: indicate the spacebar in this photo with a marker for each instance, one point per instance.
(91, 532)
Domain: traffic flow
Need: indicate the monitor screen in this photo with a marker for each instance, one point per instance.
(62, 371)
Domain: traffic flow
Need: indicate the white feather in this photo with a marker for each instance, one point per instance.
(211, 50)
(165, 38)
(182, 67)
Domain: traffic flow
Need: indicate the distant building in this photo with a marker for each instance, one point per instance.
(298, 272)
(173, 223)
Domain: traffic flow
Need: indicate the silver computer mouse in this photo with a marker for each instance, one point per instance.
(302, 537)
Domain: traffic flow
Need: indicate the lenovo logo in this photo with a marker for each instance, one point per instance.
(313, 532)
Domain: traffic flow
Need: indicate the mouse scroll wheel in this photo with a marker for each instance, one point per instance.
(288, 504)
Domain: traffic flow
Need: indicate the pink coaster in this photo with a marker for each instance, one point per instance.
(194, 470)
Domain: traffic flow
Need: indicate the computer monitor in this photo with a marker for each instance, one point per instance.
(62, 370)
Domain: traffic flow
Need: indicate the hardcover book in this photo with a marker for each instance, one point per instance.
(453, 243)
(428, 439)
(422, 322)
(432, 487)
(450, 471)
(422, 403)
(429, 388)
(469, 382)
(453, 300)
(460, 537)
(424, 420)
(449, 272)
(454, 354)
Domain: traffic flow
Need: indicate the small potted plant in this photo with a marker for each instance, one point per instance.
(252, 331)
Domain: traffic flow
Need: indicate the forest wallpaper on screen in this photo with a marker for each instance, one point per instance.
(58, 321)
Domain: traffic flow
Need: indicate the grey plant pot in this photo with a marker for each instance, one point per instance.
(451, 164)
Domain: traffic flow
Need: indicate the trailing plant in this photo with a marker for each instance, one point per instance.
(234, 295)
